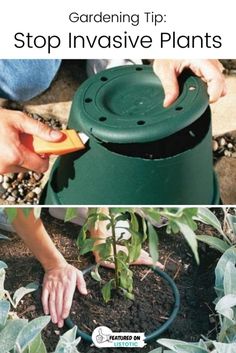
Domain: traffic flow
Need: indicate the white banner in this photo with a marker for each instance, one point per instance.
(103, 337)
(118, 29)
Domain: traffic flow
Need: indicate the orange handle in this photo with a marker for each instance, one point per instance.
(70, 143)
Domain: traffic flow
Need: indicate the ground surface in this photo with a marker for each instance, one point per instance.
(55, 103)
(195, 285)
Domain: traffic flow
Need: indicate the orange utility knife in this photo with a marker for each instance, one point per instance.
(71, 142)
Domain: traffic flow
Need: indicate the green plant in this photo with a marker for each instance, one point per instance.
(225, 306)
(141, 223)
(23, 336)
(227, 230)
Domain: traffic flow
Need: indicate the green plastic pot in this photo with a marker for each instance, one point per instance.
(151, 336)
(138, 151)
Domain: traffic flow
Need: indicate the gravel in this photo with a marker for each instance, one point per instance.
(25, 188)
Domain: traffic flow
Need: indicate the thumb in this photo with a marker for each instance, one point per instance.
(81, 284)
(43, 131)
(166, 72)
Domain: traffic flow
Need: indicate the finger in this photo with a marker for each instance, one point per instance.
(33, 161)
(211, 72)
(168, 76)
(107, 264)
(67, 300)
(35, 127)
(45, 296)
(14, 169)
(81, 284)
(59, 305)
(52, 306)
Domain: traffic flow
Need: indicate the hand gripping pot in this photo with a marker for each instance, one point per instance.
(138, 151)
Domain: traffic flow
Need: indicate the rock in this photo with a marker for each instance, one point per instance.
(222, 141)
(20, 176)
(227, 153)
(230, 145)
(5, 185)
(37, 190)
(6, 178)
(37, 176)
(11, 199)
(215, 145)
(1, 178)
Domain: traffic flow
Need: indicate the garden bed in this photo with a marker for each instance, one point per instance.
(195, 285)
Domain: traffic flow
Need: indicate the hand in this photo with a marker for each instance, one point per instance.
(15, 157)
(209, 71)
(143, 259)
(58, 289)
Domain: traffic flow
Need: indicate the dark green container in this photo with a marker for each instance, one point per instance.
(139, 153)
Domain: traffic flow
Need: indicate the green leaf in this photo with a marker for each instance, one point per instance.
(206, 216)
(11, 213)
(22, 291)
(31, 331)
(214, 242)
(232, 222)
(9, 334)
(86, 246)
(37, 346)
(37, 212)
(152, 213)
(225, 347)
(134, 222)
(71, 213)
(153, 243)
(229, 279)
(106, 290)
(95, 274)
(182, 347)
(190, 237)
(134, 245)
(26, 211)
(228, 256)
(227, 302)
(68, 342)
(3, 265)
(4, 310)
(104, 250)
(126, 280)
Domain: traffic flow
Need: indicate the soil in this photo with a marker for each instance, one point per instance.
(153, 299)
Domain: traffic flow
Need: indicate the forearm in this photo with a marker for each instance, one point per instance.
(35, 236)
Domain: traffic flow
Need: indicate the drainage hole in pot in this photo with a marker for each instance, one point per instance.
(141, 122)
(178, 108)
(139, 69)
(192, 88)
(88, 100)
(102, 118)
(103, 78)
